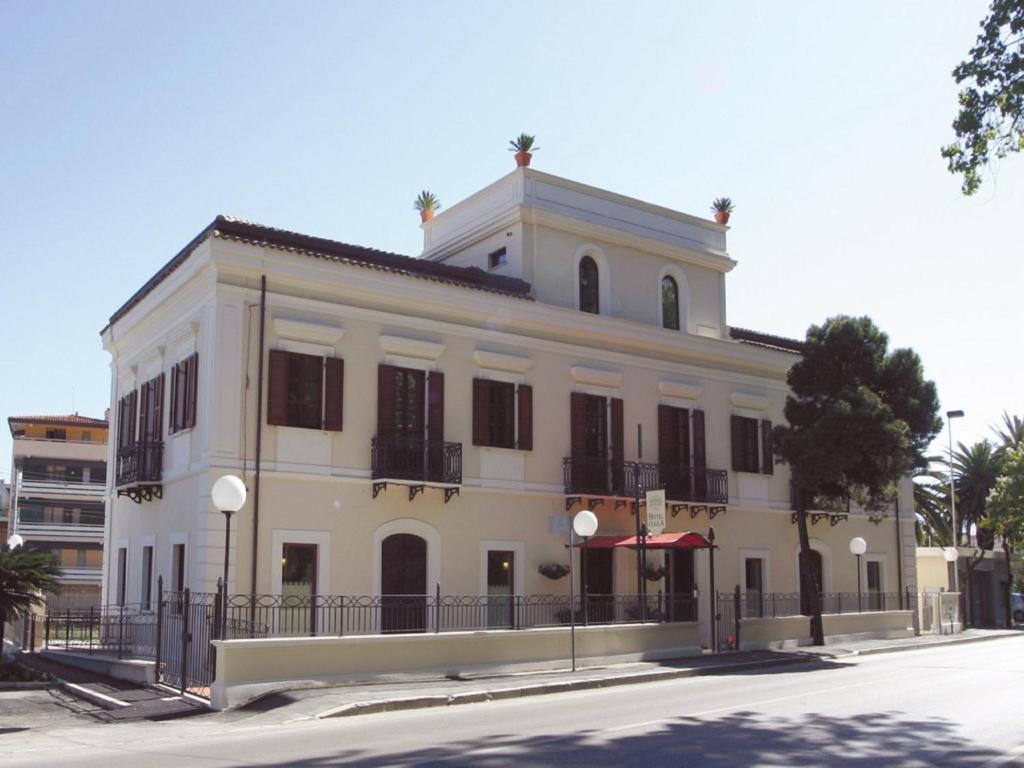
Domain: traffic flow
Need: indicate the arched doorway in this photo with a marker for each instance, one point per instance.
(403, 583)
(817, 570)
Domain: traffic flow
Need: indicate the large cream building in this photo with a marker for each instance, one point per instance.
(415, 422)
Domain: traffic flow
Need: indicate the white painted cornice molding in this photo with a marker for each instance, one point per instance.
(751, 401)
(596, 377)
(400, 345)
(500, 361)
(680, 390)
(304, 330)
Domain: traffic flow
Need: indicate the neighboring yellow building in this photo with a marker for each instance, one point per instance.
(58, 482)
(430, 424)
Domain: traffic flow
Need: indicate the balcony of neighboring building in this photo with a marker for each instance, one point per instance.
(52, 448)
(70, 485)
(80, 563)
(60, 522)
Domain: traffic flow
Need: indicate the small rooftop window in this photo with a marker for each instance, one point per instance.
(496, 258)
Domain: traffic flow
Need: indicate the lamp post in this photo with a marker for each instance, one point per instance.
(951, 555)
(950, 415)
(858, 547)
(584, 525)
(228, 496)
(14, 541)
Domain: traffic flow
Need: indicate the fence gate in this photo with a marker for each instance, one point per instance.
(187, 623)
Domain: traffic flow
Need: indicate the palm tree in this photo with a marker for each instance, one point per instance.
(26, 575)
(931, 504)
(975, 471)
(1011, 435)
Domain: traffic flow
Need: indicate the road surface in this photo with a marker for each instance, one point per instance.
(954, 707)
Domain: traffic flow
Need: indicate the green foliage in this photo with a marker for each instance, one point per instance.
(975, 470)
(427, 201)
(1011, 434)
(722, 205)
(1006, 502)
(990, 123)
(523, 143)
(26, 575)
(859, 417)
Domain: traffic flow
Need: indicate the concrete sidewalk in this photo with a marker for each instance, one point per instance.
(417, 693)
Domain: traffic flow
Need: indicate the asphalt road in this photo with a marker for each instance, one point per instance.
(954, 706)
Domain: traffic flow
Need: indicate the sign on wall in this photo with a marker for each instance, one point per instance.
(655, 512)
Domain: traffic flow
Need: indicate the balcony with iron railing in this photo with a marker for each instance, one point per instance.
(415, 459)
(595, 476)
(139, 471)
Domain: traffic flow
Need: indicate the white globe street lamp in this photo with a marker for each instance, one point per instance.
(228, 496)
(858, 547)
(951, 555)
(584, 525)
(14, 541)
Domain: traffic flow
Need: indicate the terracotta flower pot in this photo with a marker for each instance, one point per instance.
(523, 159)
(426, 215)
(722, 217)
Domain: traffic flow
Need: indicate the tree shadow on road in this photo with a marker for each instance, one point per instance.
(877, 740)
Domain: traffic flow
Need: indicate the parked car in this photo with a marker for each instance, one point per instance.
(1017, 604)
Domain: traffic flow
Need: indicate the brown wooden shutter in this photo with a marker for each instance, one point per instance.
(481, 412)
(435, 406)
(386, 399)
(577, 421)
(736, 428)
(277, 387)
(334, 393)
(524, 396)
(173, 422)
(700, 456)
(144, 413)
(191, 389)
(768, 467)
(618, 447)
(668, 448)
(158, 410)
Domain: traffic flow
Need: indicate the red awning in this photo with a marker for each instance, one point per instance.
(685, 540)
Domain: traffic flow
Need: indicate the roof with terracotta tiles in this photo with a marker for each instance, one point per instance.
(251, 233)
(70, 420)
(768, 340)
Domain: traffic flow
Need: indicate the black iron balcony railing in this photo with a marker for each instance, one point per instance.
(404, 457)
(598, 476)
(140, 463)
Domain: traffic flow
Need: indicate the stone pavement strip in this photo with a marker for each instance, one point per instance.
(368, 698)
(117, 700)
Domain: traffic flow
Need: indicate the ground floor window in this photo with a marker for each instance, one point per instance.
(298, 589)
(501, 588)
(147, 578)
(754, 572)
(874, 583)
(122, 574)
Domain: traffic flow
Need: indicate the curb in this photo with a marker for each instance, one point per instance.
(33, 685)
(920, 646)
(475, 697)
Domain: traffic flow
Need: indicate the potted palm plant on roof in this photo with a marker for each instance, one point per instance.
(722, 208)
(427, 203)
(523, 146)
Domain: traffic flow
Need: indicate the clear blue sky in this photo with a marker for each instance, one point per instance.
(128, 126)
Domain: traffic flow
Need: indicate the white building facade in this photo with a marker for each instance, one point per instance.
(406, 426)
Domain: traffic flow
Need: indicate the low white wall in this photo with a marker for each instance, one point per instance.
(794, 631)
(250, 668)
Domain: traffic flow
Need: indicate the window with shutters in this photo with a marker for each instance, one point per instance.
(502, 414)
(751, 445)
(126, 420)
(151, 410)
(305, 391)
(184, 383)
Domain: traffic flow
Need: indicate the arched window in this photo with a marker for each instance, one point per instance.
(669, 303)
(589, 301)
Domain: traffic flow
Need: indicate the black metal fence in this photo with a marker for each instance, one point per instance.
(177, 632)
(339, 615)
(126, 630)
